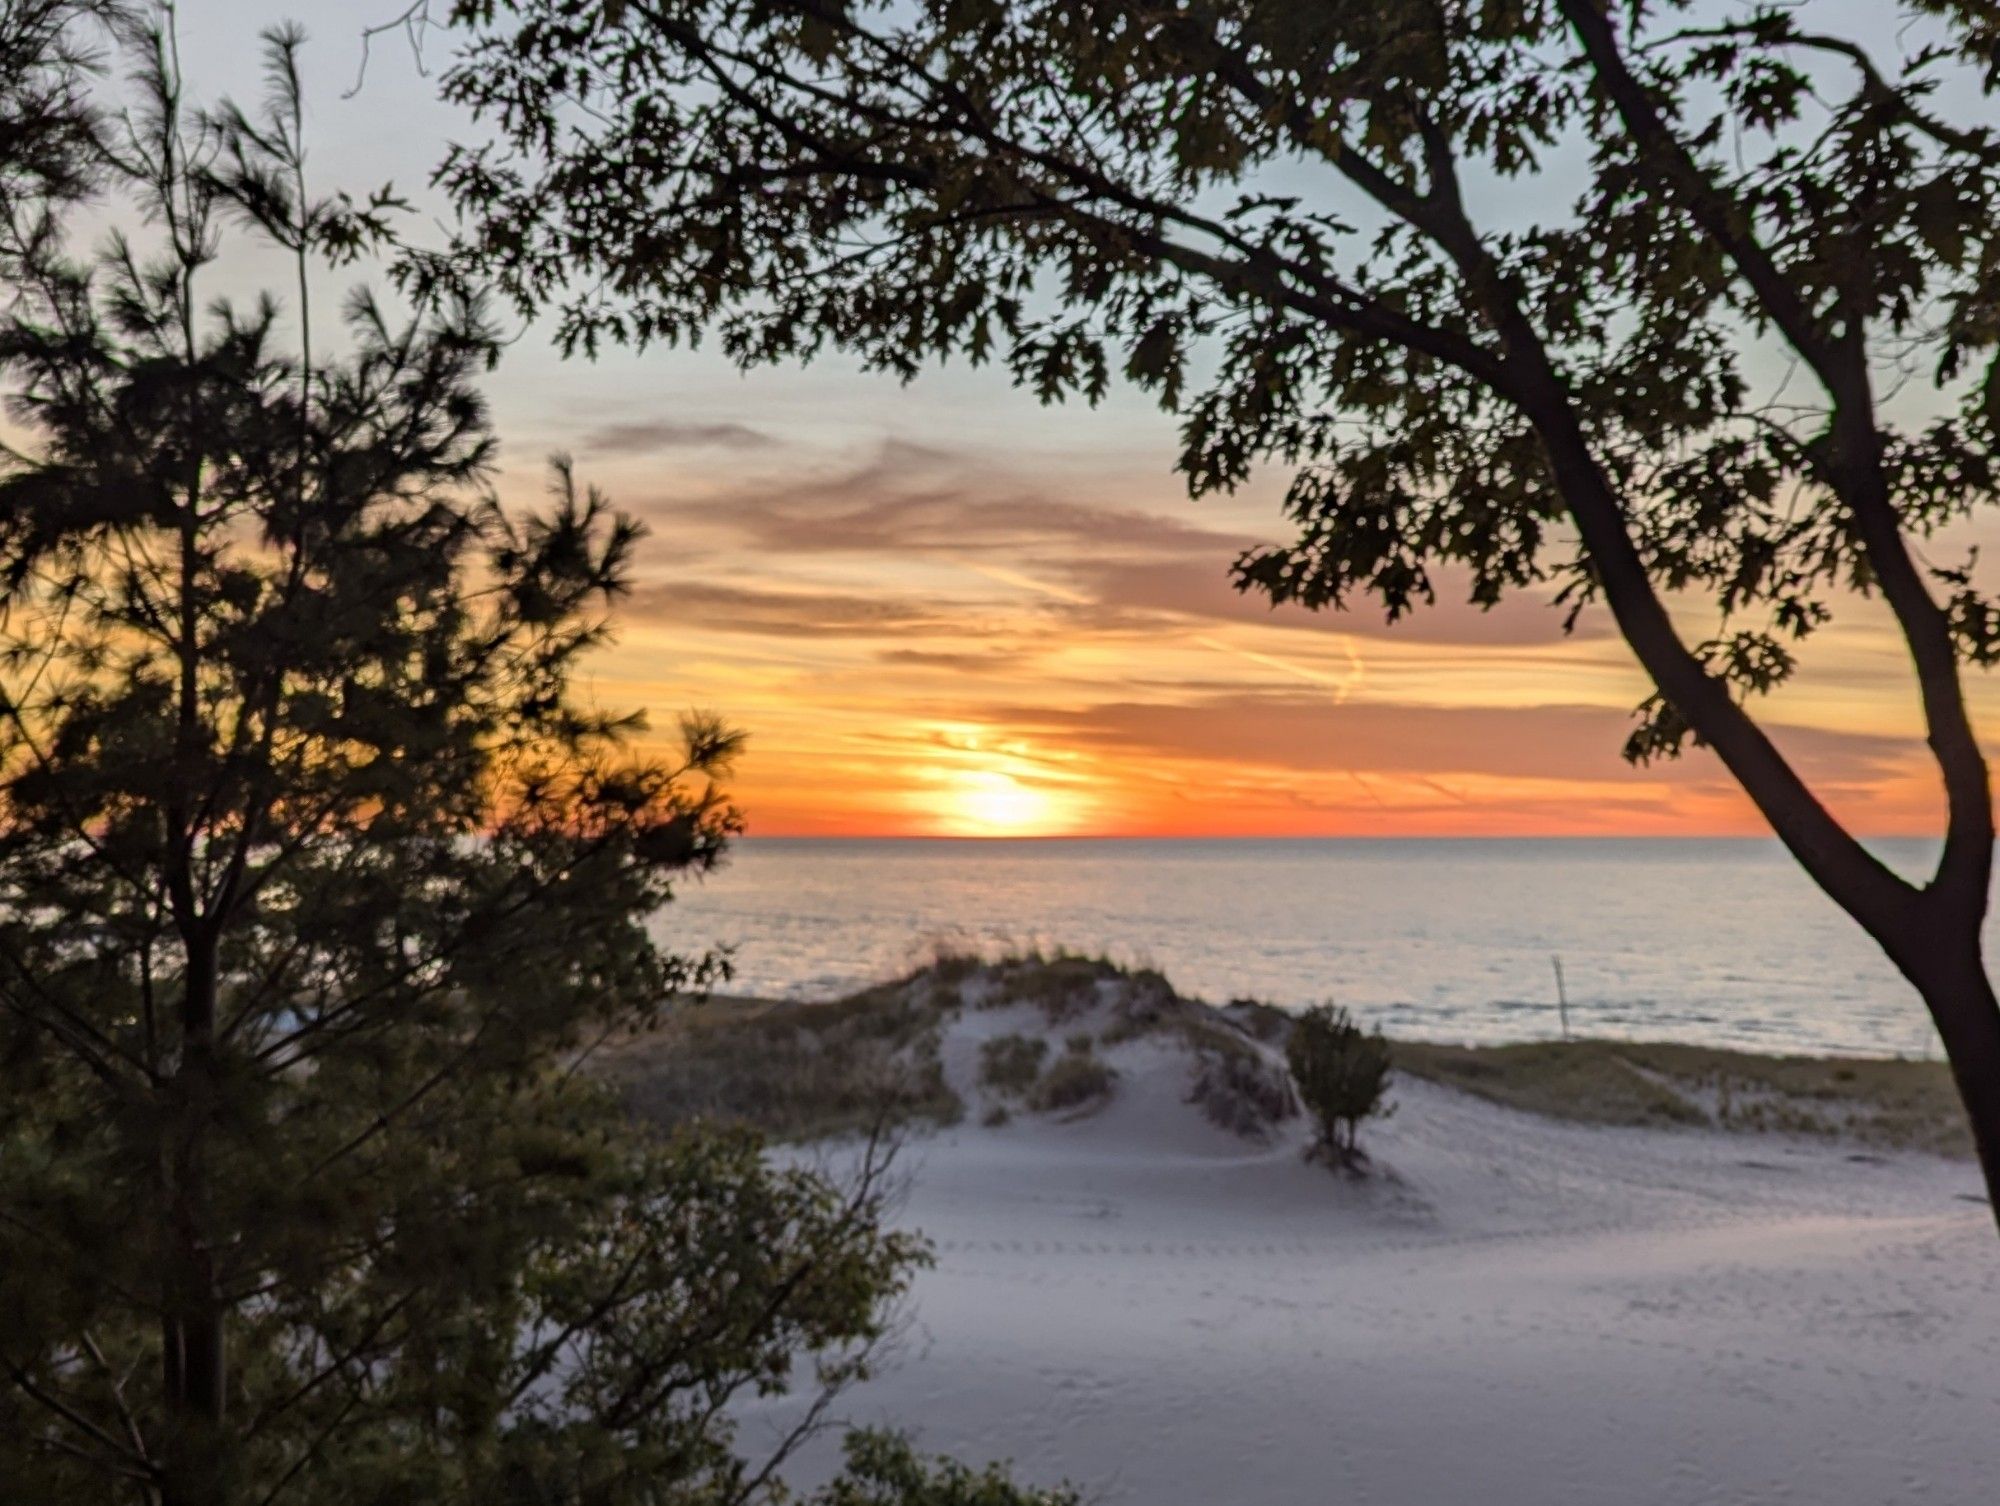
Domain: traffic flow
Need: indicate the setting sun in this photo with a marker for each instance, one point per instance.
(988, 803)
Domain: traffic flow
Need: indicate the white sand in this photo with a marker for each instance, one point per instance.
(1513, 1312)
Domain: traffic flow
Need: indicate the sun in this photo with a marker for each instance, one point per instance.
(988, 803)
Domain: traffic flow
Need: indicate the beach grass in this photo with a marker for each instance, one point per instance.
(796, 1071)
(1899, 1105)
(803, 1071)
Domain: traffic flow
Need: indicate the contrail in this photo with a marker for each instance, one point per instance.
(1024, 582)
(1342, 686)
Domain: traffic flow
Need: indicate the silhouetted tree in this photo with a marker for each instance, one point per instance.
(1681, 312)
(50, 52)
(317, 876)
(1342, 1072)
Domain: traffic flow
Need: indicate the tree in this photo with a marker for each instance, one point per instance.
(1343, 1076)
(1621, 299)
(48, 55)
(318, 878)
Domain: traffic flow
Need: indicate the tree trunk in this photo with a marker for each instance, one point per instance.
(194, 1464)
(1959, 993)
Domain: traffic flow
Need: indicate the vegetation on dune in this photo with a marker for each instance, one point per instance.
(1342, 1073)
(1262, 1021)
(1904, 1105)
(793, 1071)
(802, 1071)
(1011, 1064)
(1064, 984)
(1588, 1081)
(1242, 1093)
(1075, 1080)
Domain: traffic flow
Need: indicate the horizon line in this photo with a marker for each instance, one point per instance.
(1127, 836)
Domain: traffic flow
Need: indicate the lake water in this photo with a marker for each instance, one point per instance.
(1716, 941)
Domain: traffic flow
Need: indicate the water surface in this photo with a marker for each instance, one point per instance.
(1719, 941)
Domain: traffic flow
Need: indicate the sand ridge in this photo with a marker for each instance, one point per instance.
(1512, 1311)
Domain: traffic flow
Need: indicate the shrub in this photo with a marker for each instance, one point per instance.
(1011, 1063)
(1343, 1075)
(1077, 1078)
(1240, 1092)
(883, 1470)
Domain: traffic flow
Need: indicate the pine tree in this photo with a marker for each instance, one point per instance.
(50, 52)
(317, 878)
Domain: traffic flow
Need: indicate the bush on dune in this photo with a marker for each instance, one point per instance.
(1342, 1072)
(1240, 1092)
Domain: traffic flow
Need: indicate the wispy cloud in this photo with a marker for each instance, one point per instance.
(784, 611)
(648, 436)
(896, 625)
(1280, 730)
(1119, 566)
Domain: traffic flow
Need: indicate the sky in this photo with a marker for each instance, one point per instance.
(942, 609)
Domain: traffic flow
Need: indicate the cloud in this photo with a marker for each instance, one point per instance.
(778, 611)
(982, 662)
(842, 516)
(645, 436)
(1114, 568)
(1203, 588)
(1314, 734)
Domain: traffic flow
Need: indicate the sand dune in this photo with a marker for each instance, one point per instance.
(1512, 1311)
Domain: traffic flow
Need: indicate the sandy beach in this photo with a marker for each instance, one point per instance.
(1511, 1310)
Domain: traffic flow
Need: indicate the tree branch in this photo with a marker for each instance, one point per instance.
(1852, 462)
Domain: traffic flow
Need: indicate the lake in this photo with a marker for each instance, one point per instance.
(1720, 941)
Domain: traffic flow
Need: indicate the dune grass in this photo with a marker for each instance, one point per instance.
(795, 1071)
(1077, 1080)
(1010, 1064)
(801, 1071)
(1902, 1105)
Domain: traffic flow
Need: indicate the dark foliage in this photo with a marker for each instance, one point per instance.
(50, 53)
(1342, 1072)
(883, 1470)
(316, 874)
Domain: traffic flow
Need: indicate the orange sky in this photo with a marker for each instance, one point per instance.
(950, 628)
(944, 609)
